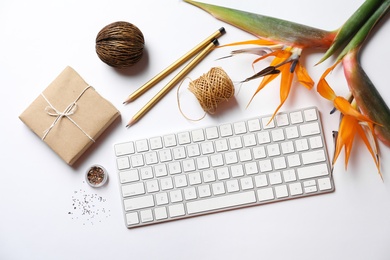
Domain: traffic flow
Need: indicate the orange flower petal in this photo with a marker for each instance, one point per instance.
(345, 137)
(303, 76)
(323, 87)
(347, 109)
(371, 146)
(255, 42)
(285, 86)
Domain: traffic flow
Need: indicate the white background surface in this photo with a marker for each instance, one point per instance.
(38, 39)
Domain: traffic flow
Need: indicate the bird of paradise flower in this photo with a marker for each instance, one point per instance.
(285, 41)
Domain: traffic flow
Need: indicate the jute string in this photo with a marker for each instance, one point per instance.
(210, 90)
(69, 110)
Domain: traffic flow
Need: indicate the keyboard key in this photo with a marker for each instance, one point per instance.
(207, 148)
(245, 155)
(146, 215)
(160, 170)
(221, 202)
(259, 152)
(166, 183)
(189, 165)
(128, 176)
(275, 178)
(254, 125)
(251, 168)
(146, 173)
(282, 119)
(316, 170)
(193, 150)
(261, 180)
(301, 145)
(267, 122)
(133, 189)
(165, 155)
(265, 165)
(296, 117)
(310, 129)
(277, 135)
(292, 132)
(310, 114)
(137, 160)
(316, 142)
(155, 143)
(160, 213)
(162, 198)
(212, 133)
(197, 135)
(313, 157)
(194, 178)
(239, 128)
(221, 145)
(151, 158)
(152, 186)
(295, 189)
(226, 130)
(141, 145)
(132, 218)
(202, 163)
(223, 173)
(190, 193)
(246, 183)
(204, 191)
(263, 137)
(216, 160)
(281, 191)
(139, 203)
(287, 147)
(232, 186)
(175, 196)
(176, 210)
(279, 163)
(235, 142)
(179, 153)
(169, 140)
(208, 176)
(218, 188)
(174, 167)
(231, 158)
(124, 148)
(265, 194)
(324, 184)
(249, 140)
(184, 138)
(122, 163)
(289, 175)
(237, 170)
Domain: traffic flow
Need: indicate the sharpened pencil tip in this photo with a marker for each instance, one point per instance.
(128, 100)
(130, 123)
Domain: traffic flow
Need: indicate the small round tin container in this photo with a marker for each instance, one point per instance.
(96, 176)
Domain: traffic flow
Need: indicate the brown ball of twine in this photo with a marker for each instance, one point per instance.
(120, 44)
(211, 89)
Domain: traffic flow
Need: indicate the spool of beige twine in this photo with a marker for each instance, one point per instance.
(210, 90)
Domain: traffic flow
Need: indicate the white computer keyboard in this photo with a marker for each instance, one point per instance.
(233, 165)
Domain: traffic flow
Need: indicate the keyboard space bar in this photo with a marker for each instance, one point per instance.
(222, 202)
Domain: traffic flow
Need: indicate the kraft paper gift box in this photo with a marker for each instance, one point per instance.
(69, 115)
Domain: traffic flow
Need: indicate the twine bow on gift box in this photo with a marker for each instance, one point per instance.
(69, 110)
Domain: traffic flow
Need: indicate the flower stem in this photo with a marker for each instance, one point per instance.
(367, 96)
(366, 28)
(352, 25)
(270, 28)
